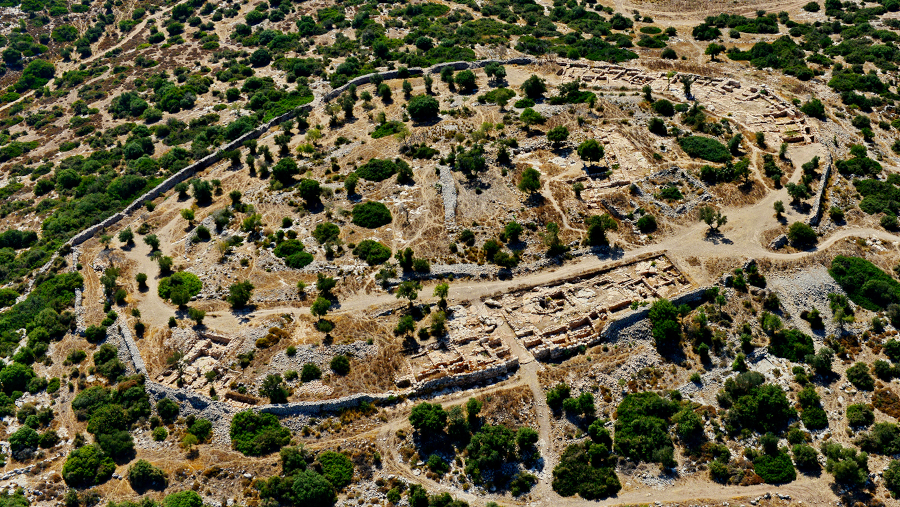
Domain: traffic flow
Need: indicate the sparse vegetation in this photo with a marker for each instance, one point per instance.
(407, 160)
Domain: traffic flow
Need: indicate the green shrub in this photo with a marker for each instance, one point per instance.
(285, 170)
(23, 442)
(240, 293)
(892, 478)
(202, 429)
(882, 438)
(428, 417)
(423, 107)
(865, 284)
(107, 363)
(642, 428)
(499, 95)
(859, 165)
(657, 126)
(179, 287)
(16, 377)
(257, 434)
(670, 193)
(378, 170)
(294, 254)
(664, 323)
(337, 468)
(705, 148)
(160, 433)
(142, 475)
(372, 251)
(326, 232)
(557, 395)
(183, 499)
(755, 405)
(814, 108)
(489, 449)
(310, 372)
(806, 457)
(466, 81)
(167, 409)
(646, 224)
(791, 344)
(387, 129)
(583, 470)
(802, 235)
(775, 469)
(310, 488)
(37, 74)
(524, 103)
(437, 464)
(87, 466)
(522, 483)
(859, 376)
(860, 415)
(847, 466)
(663, 107)
(340, 365)
(371, 215)
(814, 418)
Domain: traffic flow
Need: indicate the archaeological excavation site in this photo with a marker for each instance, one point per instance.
(449, 253)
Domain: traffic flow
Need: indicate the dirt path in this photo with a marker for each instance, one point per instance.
(805, 489)
(691, 241)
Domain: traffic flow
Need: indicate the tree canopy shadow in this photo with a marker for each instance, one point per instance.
(716, 237)
(535, 199)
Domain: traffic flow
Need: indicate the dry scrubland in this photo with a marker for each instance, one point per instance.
(616, 253)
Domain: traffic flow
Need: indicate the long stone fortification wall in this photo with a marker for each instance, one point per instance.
(209, 160)
(816, 215)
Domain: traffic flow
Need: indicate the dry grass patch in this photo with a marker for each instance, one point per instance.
(887, 401)
(511, 407)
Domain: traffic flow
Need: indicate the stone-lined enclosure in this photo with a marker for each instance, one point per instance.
(464, 363)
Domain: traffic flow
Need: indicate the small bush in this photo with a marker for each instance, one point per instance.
(340, 365)
(142, 475)
(423, 107)
(337, 468)
(379, 170)
(801, 234)
(646, 224)
(257, 434)
(310, 372)
(705, 148)
(371, 215)
(859, 376)
(860, 415)
(387, 129)
(775, 469)
(865, 284)
(583, 470)
(372, 251)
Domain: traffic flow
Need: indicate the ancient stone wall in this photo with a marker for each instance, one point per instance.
(816, 216)
(610, 332)
(467, 378)
(416, 71)
(209, 160)
(184, 174)
(133, 351)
